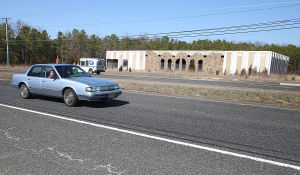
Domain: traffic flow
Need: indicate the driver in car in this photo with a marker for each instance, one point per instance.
(51, 74)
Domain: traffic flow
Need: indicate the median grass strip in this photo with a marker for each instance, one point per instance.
(278, 97)
(227, 93)
(6, 75)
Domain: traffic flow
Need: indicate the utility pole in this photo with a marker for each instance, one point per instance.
(7, 52)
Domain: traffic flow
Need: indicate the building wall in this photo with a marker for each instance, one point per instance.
(278, 63)
(258, 61)
(136, 59)
(211, 60)
(229, 62)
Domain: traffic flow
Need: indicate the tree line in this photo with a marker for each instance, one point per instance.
(29, 45)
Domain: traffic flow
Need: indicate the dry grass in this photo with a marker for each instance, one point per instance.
(257, 78)
(227, 93)
(15, 67)
(6, 75)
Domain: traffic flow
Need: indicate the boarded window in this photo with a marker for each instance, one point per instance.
(192, 65)
(112, 64)
(125, 63)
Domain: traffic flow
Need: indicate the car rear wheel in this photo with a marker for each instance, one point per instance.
(24, 91)
(91, 71)
(70, 97)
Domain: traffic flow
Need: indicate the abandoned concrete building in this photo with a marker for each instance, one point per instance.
(215, 62)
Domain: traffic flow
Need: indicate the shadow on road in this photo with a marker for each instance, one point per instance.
(103, 104)
(99, 104)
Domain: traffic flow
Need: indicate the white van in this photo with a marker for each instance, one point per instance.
(92, 65)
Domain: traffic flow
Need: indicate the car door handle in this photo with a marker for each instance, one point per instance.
(28, 78)
(43, 81)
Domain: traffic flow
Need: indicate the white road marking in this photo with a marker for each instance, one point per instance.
(290, 84)
(160, 138)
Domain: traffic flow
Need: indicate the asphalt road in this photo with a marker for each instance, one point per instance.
(192, 81)
(38, 144)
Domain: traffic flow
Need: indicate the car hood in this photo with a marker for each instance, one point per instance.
(92, 81)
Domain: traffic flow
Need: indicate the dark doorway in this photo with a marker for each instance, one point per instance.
(200, 63)
(177, 64)
(162, 64)
(169, 64)
(183, 64)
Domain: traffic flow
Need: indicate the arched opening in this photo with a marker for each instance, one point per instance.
(177, 64)
(169, 64)
(162, 64)
(200, 63)
(183, 64)
(192, 65)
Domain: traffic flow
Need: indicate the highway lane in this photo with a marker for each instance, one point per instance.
(40, 144)
(191, 81)
(257, 131)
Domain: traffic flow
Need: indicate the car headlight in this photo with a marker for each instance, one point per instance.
(91, 89)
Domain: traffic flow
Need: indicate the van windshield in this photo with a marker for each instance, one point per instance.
(101, 62)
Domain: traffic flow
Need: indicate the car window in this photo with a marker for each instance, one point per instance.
(36, 71)
(71, 71)
(82, 63)
(50, 72)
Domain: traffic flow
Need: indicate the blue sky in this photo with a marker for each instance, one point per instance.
(125, 17)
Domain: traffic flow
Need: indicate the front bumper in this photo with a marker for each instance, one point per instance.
(99, 96)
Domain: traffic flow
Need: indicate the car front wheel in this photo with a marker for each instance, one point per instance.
(24, 91)
(70, 97)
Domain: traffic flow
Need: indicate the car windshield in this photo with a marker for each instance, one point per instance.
(71, 71)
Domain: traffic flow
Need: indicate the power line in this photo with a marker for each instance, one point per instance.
(209, 30)
(250, 28)
(256, 27)
(254, 31)
(180, 17)
(218, 28)
(198, 30)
